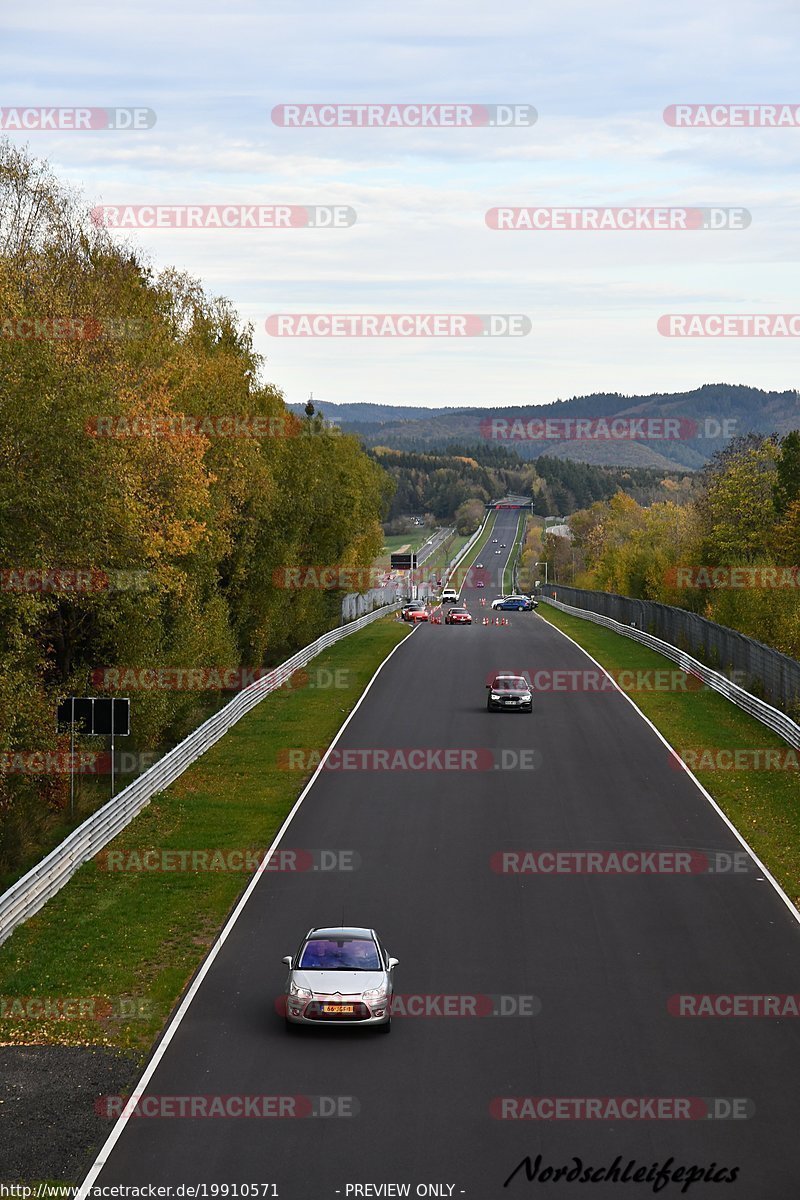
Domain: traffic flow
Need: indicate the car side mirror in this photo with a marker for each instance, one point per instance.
(287, 959)
(393, 962)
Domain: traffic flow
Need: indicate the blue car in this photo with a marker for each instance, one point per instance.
(513, 604)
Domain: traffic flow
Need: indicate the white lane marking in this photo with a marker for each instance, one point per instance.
(692, 776)
(161, 1049)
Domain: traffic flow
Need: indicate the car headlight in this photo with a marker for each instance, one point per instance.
(494, 695)
(374, 996)
(526, 696)
(299, 992)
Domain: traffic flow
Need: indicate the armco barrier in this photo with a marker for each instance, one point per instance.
(465, 549)
(773, 676)
(775, 720)
(28, 894)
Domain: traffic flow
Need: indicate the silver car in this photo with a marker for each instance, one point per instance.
(340, 976)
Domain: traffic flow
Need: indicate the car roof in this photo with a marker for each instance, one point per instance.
(353, 931)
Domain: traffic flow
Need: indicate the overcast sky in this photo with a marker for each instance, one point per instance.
(599, 77)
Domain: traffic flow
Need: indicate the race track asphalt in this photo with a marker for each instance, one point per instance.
(595, 957)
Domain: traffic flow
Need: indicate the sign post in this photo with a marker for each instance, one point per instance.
(96, 715)
(405, 562)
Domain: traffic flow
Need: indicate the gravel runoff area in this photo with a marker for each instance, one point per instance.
(49, 1129)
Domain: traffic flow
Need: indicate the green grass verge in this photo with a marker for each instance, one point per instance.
(508, 572)
(764, 805)
(393, 542)
(475, 552)
(442, 556)
(140, 935)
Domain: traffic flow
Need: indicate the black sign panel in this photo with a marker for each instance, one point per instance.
(94, 714)
(404, 562)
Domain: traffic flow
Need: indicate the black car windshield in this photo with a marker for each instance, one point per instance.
(509, 684)
(340, 954)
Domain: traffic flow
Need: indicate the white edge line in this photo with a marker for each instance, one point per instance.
(768, 874)
(149, 1071)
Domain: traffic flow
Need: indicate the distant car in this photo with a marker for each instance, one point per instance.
(494, 539)
(513, 603)
(480, 583)
(478, 565)
(498, 551)
(419, 614)
(502, 545)
(340, 976)
(458, 616)
(509, 692)
(449, 596)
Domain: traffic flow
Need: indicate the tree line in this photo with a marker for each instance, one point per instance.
(730, 553)
(151, 486)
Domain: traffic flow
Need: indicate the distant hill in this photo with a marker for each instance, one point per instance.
(369, 414)
(428, 429)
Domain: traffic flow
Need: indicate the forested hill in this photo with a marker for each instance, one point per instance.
(746, 409)
(439, 483)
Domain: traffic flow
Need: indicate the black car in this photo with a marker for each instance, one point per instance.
(509, 693)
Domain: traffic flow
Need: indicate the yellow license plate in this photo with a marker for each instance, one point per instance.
(337, 1008)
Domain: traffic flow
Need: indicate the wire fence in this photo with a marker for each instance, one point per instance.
(765, 672)
(773, 718)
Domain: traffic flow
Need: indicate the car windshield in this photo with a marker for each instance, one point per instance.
(509, 684)
(340, 954)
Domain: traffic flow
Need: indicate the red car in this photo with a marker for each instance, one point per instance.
(458, 616)
(418, 614)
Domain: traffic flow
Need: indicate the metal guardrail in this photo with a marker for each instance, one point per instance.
(451, 566)
(32, 891)
(773, 718)
(518, 556)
